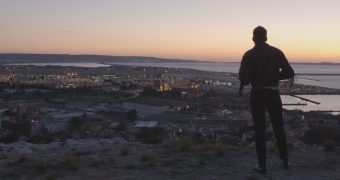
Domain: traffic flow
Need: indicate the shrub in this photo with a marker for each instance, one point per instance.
(72, 163)
(251, 177)
(146, 157)
(329, 145)
(183, 145)
(41, 168)
(22, 158)
(11, 174)
(3, 156)
(290, 145)
(219, 151)
(18, 160)
(152, 164)
(151, 135)
(269, 136)
(51, 177)
(76, 122)
(10, 137)
(82, 153)
(202, 162)
(130, 166)
(318, 135)
(124, 152)
(274, 147)
(172, 162)
(186, 145)
(131, 115)
(121, 127)
(44, 137)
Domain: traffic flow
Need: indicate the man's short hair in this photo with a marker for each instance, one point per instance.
(260, 34)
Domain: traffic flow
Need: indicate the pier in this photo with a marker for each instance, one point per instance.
(296, 104)
(305, 99)
(321, 74)
(308, 79)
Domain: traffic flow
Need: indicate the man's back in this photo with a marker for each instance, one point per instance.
(264, 66)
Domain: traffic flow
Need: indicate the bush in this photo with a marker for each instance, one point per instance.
(131, 115)
(121, 127)
(124, 152)
(149, 91)
(290, 145)
(23, 158)
(329, 145)
(51, 177)
(202, 162)
(76, 122)
(146, 157)
(251, 177)
(10, 137)
(183, 145)
(72, 163)
(151, 135)
(219, 151)
(41, 168)
(3, 156)
(319, 134)
(41, 139)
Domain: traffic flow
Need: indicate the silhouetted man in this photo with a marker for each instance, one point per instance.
(262, 67)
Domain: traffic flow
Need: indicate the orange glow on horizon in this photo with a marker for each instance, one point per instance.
(218, 30)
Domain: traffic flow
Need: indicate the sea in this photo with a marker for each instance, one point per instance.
(322, 75)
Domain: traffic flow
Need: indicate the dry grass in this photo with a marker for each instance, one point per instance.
(41, 168)
(329, 145)
(124, 152)
(188, 145)
(72, 163)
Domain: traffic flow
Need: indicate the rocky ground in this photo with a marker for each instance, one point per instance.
(176, 159)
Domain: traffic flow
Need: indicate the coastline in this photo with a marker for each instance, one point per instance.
(180, 72)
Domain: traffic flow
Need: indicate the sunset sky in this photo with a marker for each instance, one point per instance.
(216, 30)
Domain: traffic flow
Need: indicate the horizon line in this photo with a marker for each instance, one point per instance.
(165, 58)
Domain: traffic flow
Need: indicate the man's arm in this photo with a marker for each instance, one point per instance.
(244, 74)
(286, 71)
(240, 90)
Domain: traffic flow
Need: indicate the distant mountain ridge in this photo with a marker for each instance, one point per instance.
(67, 58)
(10, 58)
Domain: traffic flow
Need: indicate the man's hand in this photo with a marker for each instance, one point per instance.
(240, 90)
(291, 82)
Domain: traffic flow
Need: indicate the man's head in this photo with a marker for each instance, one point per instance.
(259, 34)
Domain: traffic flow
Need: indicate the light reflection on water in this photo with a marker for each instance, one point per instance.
(327, 103)
(330, 81)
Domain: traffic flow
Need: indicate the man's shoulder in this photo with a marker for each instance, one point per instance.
(247, 53)
(268, 48)
(274, 49)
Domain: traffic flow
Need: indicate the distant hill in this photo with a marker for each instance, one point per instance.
(9, 58)
(63, 58)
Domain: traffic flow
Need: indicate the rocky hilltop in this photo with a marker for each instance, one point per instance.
(173, 159)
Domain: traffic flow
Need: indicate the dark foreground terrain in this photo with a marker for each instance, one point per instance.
(175, 159)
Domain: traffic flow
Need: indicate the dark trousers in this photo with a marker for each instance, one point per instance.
(270, 100)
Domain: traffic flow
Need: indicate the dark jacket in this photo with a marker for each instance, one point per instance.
(264, 66)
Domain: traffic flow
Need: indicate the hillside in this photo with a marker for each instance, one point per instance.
(118, 159)
(60, 58)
